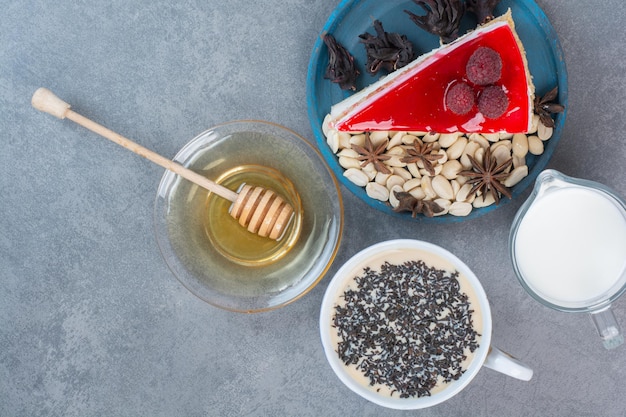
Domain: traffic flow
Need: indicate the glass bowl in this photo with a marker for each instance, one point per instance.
(220, 261)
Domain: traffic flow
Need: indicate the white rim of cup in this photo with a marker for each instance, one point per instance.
(337, 283)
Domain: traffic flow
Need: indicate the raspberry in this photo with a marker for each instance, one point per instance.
(493, 102)
(484, 66)
(460, 98)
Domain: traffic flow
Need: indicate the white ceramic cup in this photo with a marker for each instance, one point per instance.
(485, 354)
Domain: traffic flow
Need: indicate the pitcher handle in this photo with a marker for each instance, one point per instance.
(504, 363)
(607, 327)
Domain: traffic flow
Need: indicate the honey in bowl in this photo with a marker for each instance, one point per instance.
(234, 241)
(216, 258)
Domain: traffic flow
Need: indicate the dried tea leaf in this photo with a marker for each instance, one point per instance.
(442, 18)
(341, 68)
(483, 9)
(388, 51)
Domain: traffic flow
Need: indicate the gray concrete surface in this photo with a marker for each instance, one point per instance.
(91, 320)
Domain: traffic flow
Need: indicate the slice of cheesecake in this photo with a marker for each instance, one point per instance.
(478, 83)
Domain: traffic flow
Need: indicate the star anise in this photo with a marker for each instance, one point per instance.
(545, 106)
(341, 68)
(422, 152)
(406, 202)
(442, 18)
(369, 154)
(389, 51)
(483, 9)
(488, 176)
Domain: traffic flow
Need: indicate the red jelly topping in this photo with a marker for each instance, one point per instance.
(418, 103)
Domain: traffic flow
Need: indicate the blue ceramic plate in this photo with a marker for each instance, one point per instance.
(354, 17)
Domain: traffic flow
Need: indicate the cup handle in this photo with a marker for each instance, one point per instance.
(503, 362)
(607, 327)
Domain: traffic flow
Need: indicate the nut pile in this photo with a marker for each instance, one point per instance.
(440, 182)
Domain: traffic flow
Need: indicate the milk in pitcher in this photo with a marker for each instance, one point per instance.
(570, 246)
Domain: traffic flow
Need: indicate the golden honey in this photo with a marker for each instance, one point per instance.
(234, 241)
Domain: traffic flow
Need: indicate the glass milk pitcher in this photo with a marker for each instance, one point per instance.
(568, 247)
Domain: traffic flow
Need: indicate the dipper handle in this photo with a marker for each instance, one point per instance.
(262, 212)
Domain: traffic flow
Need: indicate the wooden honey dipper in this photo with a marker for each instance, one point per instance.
(262, 211)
